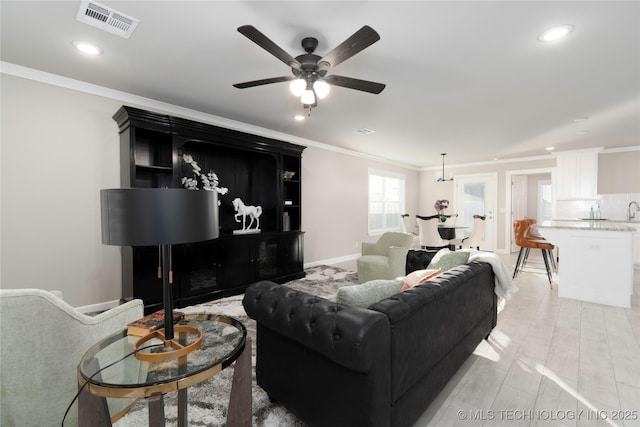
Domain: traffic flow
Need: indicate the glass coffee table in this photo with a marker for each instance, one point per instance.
(111, 370)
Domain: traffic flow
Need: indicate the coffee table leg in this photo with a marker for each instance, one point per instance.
(156, 411)
(92, 409)
(239, 413)
(183, 417)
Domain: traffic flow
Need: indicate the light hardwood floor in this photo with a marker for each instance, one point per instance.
(550, 361)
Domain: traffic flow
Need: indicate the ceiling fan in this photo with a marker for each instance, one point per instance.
(310, 80)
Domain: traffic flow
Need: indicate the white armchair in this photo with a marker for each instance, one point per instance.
(42, 341)
(385, 259)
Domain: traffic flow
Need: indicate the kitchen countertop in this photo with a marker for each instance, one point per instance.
(597, 225)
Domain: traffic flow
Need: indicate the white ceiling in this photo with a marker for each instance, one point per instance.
(467, 78)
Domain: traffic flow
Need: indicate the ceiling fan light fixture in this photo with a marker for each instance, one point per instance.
(321, 88)
(308, 98)
(297, 87)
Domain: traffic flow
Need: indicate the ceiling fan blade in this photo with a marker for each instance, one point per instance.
(361, 39)
(253, 34)
(263, 82)
(357, 84)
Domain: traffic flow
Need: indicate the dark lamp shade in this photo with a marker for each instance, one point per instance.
(158, 216)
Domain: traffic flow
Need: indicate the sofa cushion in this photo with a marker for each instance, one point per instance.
(419, 276)
(446, 259)
(368, 293)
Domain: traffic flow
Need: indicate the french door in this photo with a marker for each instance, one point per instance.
(477, 195)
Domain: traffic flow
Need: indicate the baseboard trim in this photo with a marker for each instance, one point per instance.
(331, 261)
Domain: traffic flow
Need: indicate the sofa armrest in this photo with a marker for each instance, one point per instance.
(351, 337)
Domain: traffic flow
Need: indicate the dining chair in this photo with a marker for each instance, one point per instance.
(450, 220)
(428, 231)
(409, 227)
(475, 237)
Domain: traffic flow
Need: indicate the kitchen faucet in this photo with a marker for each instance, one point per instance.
(630, 215)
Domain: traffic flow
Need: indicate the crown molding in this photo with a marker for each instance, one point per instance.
(159, 106)
(164, 107)
(492, 162)
(620, 149)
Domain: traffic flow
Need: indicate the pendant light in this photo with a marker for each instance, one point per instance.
(442, 178)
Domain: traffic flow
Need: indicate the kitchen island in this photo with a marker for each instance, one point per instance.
(596, 262)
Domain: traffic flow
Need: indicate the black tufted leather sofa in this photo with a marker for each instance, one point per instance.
(333, 365)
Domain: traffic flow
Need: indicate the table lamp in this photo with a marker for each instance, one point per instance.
(159, 217)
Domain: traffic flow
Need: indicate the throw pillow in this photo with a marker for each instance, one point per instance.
(368, 293)
(446, 259)
(419, 276)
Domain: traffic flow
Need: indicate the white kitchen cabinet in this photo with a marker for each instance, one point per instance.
(596, 264)
(636, 244)
(576, 175)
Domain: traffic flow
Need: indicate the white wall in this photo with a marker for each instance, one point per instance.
(430, 190)
(334, 202)
(61, 146)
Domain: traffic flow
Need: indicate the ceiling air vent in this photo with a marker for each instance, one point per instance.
(106, 19)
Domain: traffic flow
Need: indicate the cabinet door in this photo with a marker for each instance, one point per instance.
(566, 175)
(290, 258)
(266, 260)
(576, 175)
(197, 267)
(237, 262)
(146, 284)
(587, 175)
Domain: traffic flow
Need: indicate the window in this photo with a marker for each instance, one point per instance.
(545, 201)
(386, 201)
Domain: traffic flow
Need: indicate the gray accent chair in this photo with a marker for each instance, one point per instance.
(385, 259)
(42, 341)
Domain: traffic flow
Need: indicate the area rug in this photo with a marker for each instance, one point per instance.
(208, 401)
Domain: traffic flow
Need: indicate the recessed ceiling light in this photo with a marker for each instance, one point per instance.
(582, 132)
(581, 119)
(363, 131)
(550, 148)
(555, 33)
(299, 117)
(88, 48)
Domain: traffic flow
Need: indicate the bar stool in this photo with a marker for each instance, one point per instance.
(532, 234)
(520, 228)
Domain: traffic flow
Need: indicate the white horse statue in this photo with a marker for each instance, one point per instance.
(253, 212)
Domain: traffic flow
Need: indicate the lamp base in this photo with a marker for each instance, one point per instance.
(177, 350)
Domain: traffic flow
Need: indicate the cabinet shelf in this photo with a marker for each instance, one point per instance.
(155, 168)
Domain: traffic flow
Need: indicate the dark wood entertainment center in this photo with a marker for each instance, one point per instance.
(252, 167)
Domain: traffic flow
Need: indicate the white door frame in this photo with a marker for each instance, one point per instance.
(508, 223)
(492, 209)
